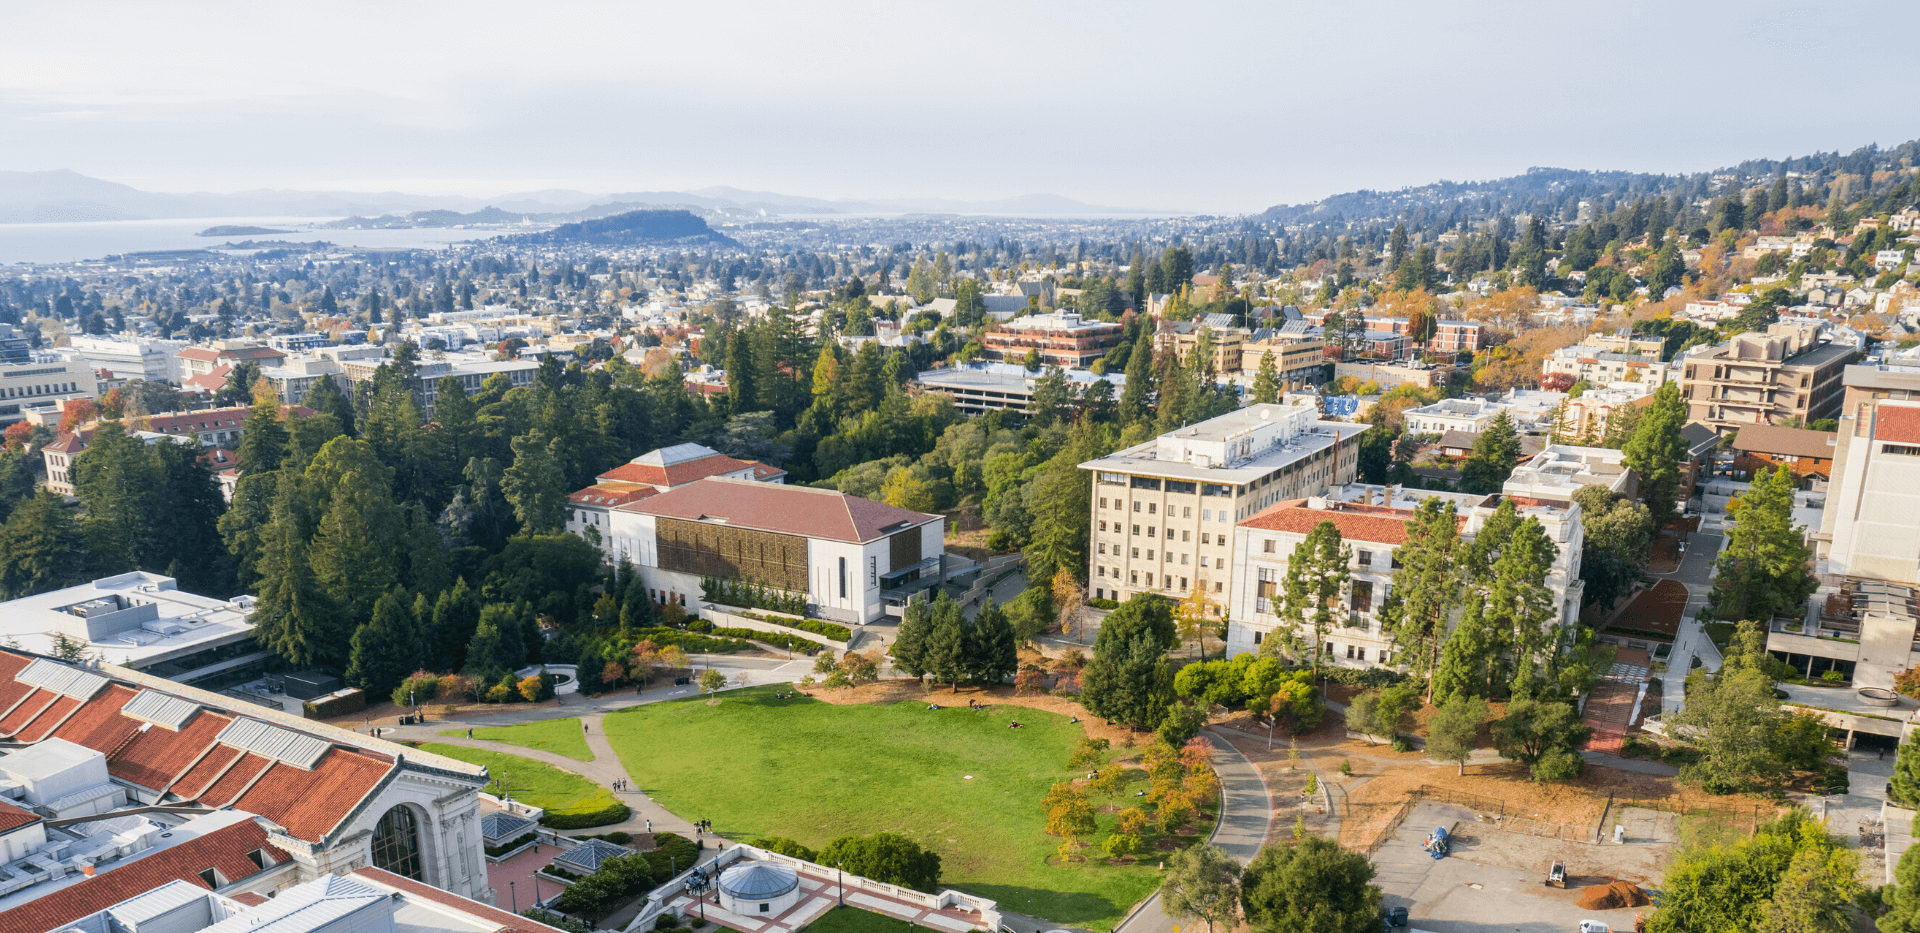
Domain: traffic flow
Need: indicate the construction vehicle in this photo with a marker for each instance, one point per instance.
(1438, 843)
(1557, 875)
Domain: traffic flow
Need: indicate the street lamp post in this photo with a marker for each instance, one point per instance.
(842, 874)
(515, 895)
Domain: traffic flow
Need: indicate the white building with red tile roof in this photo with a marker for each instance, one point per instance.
(856, 560)
(1373, 524)
(653, 473)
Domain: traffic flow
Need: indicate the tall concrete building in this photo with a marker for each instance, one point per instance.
(1164, 511)
(1786, 373)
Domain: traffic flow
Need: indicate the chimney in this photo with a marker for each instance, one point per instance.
(86, 868)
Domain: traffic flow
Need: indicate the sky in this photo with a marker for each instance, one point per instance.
(1193, 106)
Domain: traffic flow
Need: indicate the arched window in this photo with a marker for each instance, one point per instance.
(396, 844)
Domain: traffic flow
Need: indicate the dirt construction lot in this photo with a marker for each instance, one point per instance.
(1494, 879)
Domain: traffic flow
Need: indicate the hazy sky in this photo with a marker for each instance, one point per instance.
(1183, 105)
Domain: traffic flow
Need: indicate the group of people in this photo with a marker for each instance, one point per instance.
(621, 784)
(700, 827)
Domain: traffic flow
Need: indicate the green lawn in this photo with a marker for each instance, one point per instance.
(531, 782)
(812, 771)
(559, 736)
(855, 920)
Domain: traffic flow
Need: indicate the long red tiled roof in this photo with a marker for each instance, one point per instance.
(673, 474)
(226, 850)
(791, 510)
(1377, 524)
(190, 764)
(1897, 423)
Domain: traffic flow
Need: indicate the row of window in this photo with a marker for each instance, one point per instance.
(1153, 508)
(1354, 652)
(1219, 563)
(1166, 580)
(45, 388)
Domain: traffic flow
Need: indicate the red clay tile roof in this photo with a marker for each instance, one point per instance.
(248, 898)
(189, 763)
(68, 443)
(311, 803)
(608, 495)
(791, 510)
(99, 725)
(156, 757)
(1898, 423)
(12, 817)
(224, 850)
(673, 474)
(486, 913)
(198, 353)
(209, 381)
(1377, 524)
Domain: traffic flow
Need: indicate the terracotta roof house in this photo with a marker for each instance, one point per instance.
(853, 559)
(212, 427)
(652, 473)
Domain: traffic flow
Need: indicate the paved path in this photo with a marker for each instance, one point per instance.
(1696, 574)
(1246, 819)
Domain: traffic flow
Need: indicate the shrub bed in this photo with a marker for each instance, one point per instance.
(621, 878)
(510, 845)
(817, 627)
(692, 642)
(586, 818)
(776, 639)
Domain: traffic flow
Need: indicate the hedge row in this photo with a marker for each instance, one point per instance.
(585, 819)
(511, 845)
(692, 642)
(776, 639)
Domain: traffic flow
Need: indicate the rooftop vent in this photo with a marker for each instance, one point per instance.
(163, 710)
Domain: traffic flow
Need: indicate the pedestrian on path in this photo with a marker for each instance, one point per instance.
(469, 733)
(649, 826)
(583, 726)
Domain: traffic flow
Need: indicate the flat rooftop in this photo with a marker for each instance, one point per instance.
(182, 623)
(1272, 437)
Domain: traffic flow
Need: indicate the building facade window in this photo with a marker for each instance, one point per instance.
(396, 844)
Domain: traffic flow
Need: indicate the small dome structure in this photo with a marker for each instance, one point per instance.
(754, 887)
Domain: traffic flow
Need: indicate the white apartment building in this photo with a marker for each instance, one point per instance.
(1373, 523)
(1164, 511)
(25, 386)
(1599, 366)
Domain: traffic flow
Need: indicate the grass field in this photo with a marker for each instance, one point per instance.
(959, 782)
(559, 736)
(855, 920)
(531, 782)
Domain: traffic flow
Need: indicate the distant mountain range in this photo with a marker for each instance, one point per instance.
(68, 196)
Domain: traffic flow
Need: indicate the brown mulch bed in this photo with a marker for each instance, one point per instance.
(1655, 610)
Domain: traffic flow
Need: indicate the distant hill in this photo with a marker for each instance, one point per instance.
(1557, 193)
(633, 228)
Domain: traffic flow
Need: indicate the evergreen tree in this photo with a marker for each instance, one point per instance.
(294, 617)
(535, 485)
(1060, 497)
(115, 480)
(356, 549)
(388, 647)
(740, 371)
(1426, 588)
(1266, 384)
(263, 441)
(1495, 452)
(947, 642)
(994, 655)
(1763, 570)
(1129, 682)
(455, 616)
(910, 640)
(325, 397)
(187, 506)
(1140, 382)
(1312, 887)
(1313, 590)
(496, 649)
(245, 522)
(43, 547)
(1656, 450)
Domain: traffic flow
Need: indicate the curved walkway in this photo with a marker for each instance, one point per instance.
(1246, 820)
